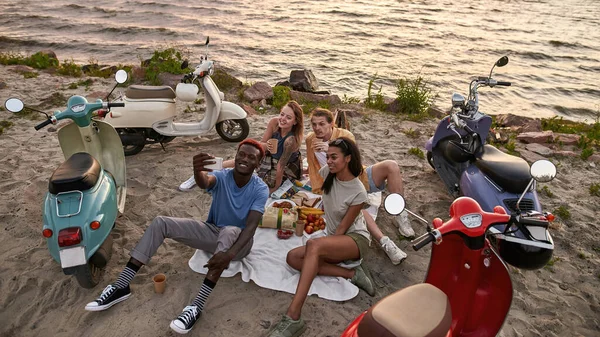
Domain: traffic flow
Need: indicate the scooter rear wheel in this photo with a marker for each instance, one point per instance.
(233, 130)
(88, 275)
(132, 148)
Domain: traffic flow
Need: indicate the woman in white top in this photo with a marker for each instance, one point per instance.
(344, 196)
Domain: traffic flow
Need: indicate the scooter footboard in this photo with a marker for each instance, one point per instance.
(475, 184)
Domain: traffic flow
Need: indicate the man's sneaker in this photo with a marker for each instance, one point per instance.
(401, 221)
(287, 327)
(188, 184)
(395, 254)
(110, 296)
(186, 320)
(363, 281)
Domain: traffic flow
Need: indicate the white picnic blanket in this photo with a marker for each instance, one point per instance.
(266, 266)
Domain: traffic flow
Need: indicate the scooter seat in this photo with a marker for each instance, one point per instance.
(149, 91)
(421, 310)
(509, 172)
(79, 173)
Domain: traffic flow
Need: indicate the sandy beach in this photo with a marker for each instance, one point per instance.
(562, 299)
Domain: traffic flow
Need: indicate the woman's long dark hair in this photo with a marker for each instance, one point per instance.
(348, 148)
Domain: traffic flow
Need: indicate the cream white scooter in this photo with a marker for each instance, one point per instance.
(149, 112)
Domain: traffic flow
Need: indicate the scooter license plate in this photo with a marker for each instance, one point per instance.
(72, 257)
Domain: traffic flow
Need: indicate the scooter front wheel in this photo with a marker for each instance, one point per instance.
(233, 130)
(430, 159)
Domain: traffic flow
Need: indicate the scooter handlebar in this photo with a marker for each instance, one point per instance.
(531, 221)
(422, 241)
(506, 84)
(42, 124)
(116, 105)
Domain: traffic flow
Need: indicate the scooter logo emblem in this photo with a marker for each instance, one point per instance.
(471, 220)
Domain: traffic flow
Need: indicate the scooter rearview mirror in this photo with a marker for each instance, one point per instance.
(394, 204)
(543, 171)
(121, 76)
(502, 61)
(14, 105)
(185, 64)
(207, 40)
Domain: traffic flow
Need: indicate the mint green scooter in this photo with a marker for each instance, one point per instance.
(85, 192)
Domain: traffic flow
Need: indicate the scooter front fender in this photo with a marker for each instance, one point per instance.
(472, 279)
(429, 144)
(231, 111)
(481, 126)
(98, 204)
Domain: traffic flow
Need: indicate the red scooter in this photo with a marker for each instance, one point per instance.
(468, 290)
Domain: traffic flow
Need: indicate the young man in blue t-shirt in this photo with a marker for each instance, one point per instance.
(239, 199)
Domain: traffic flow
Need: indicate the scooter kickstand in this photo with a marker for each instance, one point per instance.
(163, 146)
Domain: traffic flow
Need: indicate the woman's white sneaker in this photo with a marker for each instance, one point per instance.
(395, 254)
(403, 223)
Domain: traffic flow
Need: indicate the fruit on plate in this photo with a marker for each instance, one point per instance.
(314, 223)
(284, 234)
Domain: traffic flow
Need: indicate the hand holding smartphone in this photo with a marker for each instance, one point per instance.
(218, 165)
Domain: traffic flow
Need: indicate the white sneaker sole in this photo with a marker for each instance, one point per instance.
(395, 263)
(178, 329)
(106, 306)
(187, 185)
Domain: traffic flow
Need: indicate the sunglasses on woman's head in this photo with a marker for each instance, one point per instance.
(339, 141)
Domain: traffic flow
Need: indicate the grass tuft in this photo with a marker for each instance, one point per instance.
(415, 151)
(281, 95)
(595, 189)
(563, 212)
(374, 100)
(414, 96)
(5, 125)
(167, 60)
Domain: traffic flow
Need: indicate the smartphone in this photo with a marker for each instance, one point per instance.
(218, 165)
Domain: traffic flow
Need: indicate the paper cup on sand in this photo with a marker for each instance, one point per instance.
(160, 281)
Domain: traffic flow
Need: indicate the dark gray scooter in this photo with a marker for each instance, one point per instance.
(469, 167)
